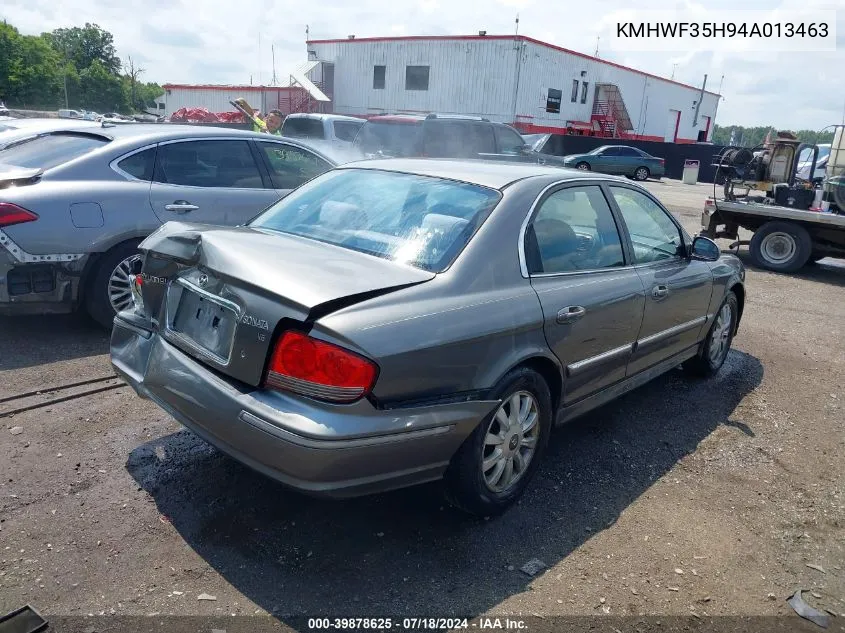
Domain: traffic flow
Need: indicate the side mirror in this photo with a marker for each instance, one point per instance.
(704, 249)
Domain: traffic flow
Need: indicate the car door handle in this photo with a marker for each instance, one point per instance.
(571, 314)
(181, 206)
(658, 292)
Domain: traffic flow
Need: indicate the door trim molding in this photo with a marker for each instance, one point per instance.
(668, 333)
(611, 354)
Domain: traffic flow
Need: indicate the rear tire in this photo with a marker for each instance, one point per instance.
(641, 173)
(781, 246)
(471, 479)
(714, 349)
(101, 289)
(583, 166)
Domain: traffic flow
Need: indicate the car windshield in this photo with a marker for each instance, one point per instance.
(301, 127)
(390, 138)
(51, 150)
(417, 220)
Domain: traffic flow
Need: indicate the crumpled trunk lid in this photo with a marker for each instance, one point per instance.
(222, 294)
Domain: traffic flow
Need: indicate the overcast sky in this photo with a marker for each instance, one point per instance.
(217, 41)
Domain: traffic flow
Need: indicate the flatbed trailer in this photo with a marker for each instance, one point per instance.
(784, 239)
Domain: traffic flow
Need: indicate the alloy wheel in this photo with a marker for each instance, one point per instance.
(721, 335)
(510, 442)
(120, 284)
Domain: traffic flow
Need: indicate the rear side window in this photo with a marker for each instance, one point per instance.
(458, 139)
(346, 130)
(508, 140)
(299, 127)
(140, 165)
(52, 150)
(391, 138)
(228, 164)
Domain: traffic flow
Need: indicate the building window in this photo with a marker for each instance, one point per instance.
(378, 77)
(584, 92)
(553, 100)
(416, 78)
(574, 90)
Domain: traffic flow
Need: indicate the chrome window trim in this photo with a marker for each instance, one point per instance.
(523, 264)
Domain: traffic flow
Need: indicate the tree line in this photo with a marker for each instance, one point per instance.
(754, 136)
(76, 67)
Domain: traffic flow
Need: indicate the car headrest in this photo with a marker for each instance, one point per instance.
(442, 223)
(334, 213)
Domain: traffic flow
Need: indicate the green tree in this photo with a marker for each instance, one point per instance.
(85, 45)
(100, 90)
(30, 71)
(754, 136)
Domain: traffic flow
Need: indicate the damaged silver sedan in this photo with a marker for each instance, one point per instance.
(401, 321)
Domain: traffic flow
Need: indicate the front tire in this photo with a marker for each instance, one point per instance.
(714, 349)
(784, 247)
(495, 464)
(583, 166)
(108, 290)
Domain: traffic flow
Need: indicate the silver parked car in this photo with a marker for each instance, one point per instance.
(393, 322)
(74, 204)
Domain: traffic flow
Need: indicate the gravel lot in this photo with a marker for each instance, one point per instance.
(708, 497)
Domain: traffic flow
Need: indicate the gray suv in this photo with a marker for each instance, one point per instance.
(75, 204)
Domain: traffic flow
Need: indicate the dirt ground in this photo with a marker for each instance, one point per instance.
(684, 497)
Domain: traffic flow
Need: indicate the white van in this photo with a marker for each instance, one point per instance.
(69, 114)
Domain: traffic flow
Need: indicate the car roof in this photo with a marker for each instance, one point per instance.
(321, 116)
(493, 174)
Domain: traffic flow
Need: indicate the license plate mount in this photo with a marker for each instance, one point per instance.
(205, 323)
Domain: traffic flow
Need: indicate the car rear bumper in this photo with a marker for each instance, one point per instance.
(318, 448)
(38, 287)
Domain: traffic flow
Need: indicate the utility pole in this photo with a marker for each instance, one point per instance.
(517, 45)
(674, 66)
(596, 54)
(273, 53)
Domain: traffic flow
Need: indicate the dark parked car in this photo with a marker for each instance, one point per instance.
(619, 159)
(447, 136)
(75, 203)
(393, 322)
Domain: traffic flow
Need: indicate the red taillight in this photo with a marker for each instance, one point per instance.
(13, 214)
(314, 368)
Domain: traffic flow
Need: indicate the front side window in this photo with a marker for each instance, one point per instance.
(573, 231)
(291, 166)
(655, 237)
(417, 220)
(416, 78)
(225, 164)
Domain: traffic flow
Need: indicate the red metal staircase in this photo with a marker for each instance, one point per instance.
(610, 113)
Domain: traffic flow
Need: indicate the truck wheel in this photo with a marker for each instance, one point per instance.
(781, 246)
(108, 289)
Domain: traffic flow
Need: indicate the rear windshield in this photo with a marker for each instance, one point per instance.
(389, 138)
(298, 127)
(406, 218)
(51, 150)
